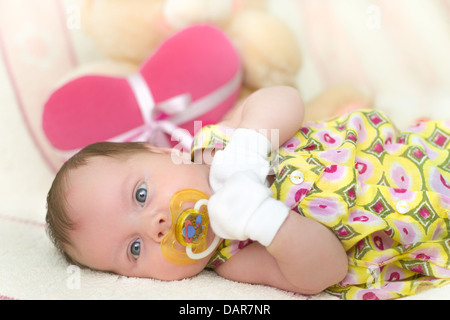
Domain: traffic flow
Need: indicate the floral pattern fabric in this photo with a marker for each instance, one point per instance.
(385, 194)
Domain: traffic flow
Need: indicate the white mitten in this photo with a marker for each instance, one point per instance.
(247, 150)
(244, 209)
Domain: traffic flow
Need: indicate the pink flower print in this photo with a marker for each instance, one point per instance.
(375, 119)
(424, 212)
(291, 144)
(388, 232)
(402, 194)
(329, 139)
(425, 145)
(361, 167)
(351, 193)
(311, 147)
(419, 127)
(400, 176)
(442, 272)
(378, 148)
(408, 233)
(351, 136)
(392, 147)
(364, 168)
(370, 296)
(378, 243)
(422, 256)
(300, 194)
(438, 182)
(334, 172)
(418, 154)
(360, 216)
(360, 245)
(444, 182)
(378, 207)
(382, 242)
(357, 124)
(440, 140)
(361, 219)
(418, 269)
(445, 202)
(297, 193)
(305, 131)
(217, 263)
(393, 273)
(394, 276)
(430, 254)
(336, 156)
(343, 232)
(325, 210)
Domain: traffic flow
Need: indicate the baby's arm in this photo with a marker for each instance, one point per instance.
(302, 256)
(273, 109)
(293, 252)
(267, 119)
(306, 261)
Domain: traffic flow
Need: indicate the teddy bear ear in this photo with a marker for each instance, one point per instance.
(183, 13)
(198, 62)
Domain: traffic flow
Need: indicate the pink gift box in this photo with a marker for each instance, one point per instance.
(193, 76)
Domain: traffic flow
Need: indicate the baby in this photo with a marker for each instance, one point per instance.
(349, 205)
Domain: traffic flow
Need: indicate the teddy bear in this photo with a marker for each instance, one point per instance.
(127, 31)
(268, 48)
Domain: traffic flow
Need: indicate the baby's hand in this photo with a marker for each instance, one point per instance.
(247, 152)
(244, 208)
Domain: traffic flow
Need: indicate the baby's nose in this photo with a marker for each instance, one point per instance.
(160, 224)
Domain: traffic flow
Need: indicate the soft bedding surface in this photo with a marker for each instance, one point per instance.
(398, 50)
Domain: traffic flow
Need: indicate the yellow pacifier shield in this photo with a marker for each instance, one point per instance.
(189, 226)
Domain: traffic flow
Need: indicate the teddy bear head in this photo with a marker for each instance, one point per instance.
(129, 30)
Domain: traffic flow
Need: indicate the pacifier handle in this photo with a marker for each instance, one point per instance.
(212, 246)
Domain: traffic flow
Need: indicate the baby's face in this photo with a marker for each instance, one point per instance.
(121, 212)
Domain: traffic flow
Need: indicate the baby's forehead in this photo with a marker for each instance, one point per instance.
(91, 179)
(95, 168)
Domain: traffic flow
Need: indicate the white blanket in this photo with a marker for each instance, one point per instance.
(397, 49)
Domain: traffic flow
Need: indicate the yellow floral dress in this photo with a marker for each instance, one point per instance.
(385, 194)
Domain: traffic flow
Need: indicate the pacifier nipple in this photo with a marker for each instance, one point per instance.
(186, 241)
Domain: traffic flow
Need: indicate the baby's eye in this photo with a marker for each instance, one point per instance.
(135, 248)
(141, 194)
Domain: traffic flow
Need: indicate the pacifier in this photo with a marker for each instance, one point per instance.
(186, 241)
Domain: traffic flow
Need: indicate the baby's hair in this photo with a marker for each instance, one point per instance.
(58, 221)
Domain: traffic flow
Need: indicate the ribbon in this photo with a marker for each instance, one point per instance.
(179, 109)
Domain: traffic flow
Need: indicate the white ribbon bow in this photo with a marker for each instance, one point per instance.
(180, 109)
